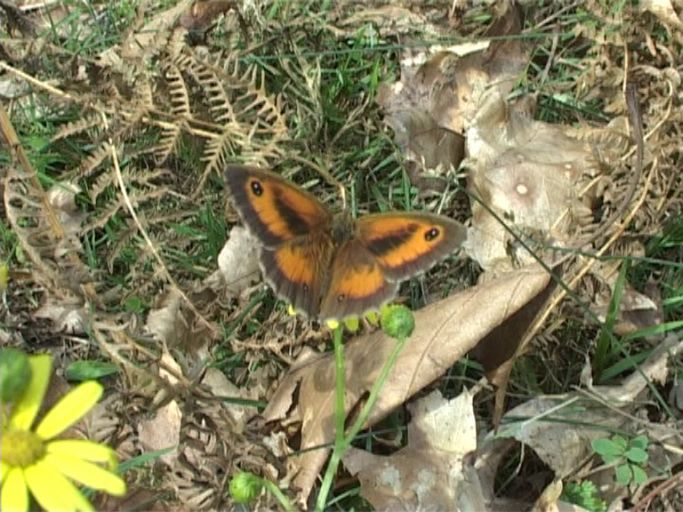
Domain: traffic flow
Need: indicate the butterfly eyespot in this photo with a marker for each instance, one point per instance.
(431, 234)
(341, 297)
(306, 287)
(256, 187)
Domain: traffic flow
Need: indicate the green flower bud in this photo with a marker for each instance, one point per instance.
(352, 323)
(245, 487)
(15, 374)
(397, 321)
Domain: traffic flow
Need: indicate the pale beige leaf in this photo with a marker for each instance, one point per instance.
(238, 261)
(527, 174)
(438, 94)
(162, 431)
(429, 473)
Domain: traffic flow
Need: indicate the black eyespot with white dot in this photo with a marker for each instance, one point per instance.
(306, 288)
(341, 297)
(432, 234)
(256, 187)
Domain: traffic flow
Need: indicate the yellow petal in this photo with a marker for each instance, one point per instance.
(52, 490)
(26, 408)
(4, 469)
(69, 409)
(332, 324)
(14, 495)
(87, 473)
(86, 450)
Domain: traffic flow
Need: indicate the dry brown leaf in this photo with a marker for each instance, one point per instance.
(388, 19)
(429, 473)
(526, 172)
(444, 332)
(437, 96)
(664, 10)
(68, 315)
(162, 431)
(62, 197)
(221, 387)
(636, 310)
(203, 13)
(166, 321)
(139, 42)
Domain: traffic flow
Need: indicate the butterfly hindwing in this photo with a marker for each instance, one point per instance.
(274, 209)
(405, 244)
(297, 270)
(357, 283)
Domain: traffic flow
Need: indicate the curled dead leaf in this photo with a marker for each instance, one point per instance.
(438, 95)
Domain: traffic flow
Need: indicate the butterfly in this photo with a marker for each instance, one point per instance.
(329, 265)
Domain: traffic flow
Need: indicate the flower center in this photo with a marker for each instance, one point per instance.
(21, 448)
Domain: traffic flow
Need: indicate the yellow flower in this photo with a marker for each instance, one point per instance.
(33, 461)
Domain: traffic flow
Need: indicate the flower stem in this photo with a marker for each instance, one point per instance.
(340, 417)
(279, 495)
(343, 442)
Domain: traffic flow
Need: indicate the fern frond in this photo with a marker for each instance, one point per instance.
(93, 161)
(74, 127)
(54, 253)
(137, 198)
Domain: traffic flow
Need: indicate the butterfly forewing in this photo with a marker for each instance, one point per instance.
(274, 209)
(407, 243)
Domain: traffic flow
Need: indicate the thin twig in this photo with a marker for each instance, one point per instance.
(150, 244)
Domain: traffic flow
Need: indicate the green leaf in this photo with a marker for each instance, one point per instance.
(640, 442)
(639, 474)
(636, 454)
(624, 474)
(611, 459)
(621, 442)
(142, 459)
(15, 374)
(134, 304)
(607, 447)
(89, 370)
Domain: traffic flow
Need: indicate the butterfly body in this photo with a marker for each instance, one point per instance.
(329, 265)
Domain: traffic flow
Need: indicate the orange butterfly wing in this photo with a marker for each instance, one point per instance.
(274, 209)
(357, 283)
(386, 248)
(292, 227)
(296, 270)
(405, 244)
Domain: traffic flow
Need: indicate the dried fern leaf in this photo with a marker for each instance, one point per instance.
(54, 253)
(137, 199)
(94, 161)
(72, 128)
